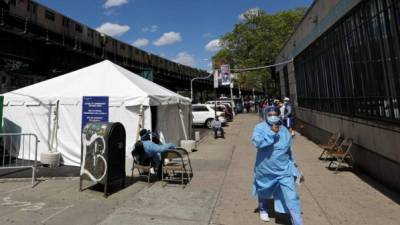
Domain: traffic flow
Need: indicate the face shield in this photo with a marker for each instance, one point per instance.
(272, 116)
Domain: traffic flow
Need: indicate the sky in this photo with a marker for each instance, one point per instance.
(185, 31)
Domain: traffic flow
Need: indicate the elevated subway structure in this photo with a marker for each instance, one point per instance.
(346, 77)
(38, 43)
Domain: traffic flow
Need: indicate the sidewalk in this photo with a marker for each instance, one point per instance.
(219, 194)
(326, 198)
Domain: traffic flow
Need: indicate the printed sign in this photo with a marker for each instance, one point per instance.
(225, 75)
(94, 109)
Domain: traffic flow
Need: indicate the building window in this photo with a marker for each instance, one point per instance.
(354, 68)
(13, 2)
(50, 15)
(122, 46)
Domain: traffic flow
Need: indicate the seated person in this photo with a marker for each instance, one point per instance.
(155, 137)
(217, 126)
(154, 150)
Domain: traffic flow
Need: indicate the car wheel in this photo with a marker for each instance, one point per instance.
(209, 123)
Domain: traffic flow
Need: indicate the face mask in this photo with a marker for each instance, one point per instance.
(273, 120)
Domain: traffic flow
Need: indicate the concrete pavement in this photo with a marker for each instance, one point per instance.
(326, 197)
(218, 194)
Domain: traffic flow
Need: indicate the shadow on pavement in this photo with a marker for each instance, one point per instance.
(392, 194)
(62, 171)
(280, 218)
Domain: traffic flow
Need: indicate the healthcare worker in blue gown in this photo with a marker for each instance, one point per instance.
(275, 169)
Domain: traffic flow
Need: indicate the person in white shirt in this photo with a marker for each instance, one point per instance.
(217, 126)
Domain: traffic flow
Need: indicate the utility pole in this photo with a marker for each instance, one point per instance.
(197, 78)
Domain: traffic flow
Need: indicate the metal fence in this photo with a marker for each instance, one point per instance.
(19, 151)
(354, 68)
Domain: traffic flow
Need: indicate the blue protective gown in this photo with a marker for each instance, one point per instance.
(274, 170)
(154, 150)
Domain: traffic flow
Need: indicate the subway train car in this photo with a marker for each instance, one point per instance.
(63, 30)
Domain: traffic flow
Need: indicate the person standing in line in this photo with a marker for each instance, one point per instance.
(288, 116)
(275, 169)
(281, 110)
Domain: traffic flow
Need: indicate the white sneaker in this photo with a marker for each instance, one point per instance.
(264, 216)
(152, 171)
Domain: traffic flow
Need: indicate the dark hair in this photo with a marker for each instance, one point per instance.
(138, 151)
(144, 135)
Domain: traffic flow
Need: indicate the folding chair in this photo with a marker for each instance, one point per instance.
(342, 154)
(333, 142)
(141, 162)
(176, 162)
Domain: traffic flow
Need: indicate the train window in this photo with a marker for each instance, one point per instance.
(32, 6)
(50, 15)
(90, 33)
(65, 22)
(78, 28)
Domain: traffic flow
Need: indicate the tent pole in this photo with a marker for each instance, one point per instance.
(182, 122)
(140, 122)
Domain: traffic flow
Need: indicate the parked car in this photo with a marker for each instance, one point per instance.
(219, 102)
(204, 115)
(228, 112)
(236, 104)
(226, 108)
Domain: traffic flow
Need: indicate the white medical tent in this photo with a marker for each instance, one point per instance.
(31, 109)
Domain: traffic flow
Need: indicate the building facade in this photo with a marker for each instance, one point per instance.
(345, 76)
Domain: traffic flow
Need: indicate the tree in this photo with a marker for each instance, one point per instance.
(256, 41)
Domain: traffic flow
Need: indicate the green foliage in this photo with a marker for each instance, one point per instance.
(256, 41)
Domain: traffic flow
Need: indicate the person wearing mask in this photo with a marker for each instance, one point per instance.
(154, 150)
(275, 169)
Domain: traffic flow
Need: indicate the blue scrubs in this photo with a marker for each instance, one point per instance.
(154, 150)
(275, 171)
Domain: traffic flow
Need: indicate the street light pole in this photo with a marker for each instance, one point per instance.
(191, 84)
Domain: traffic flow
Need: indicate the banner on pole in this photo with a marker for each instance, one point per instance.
(225, 75)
